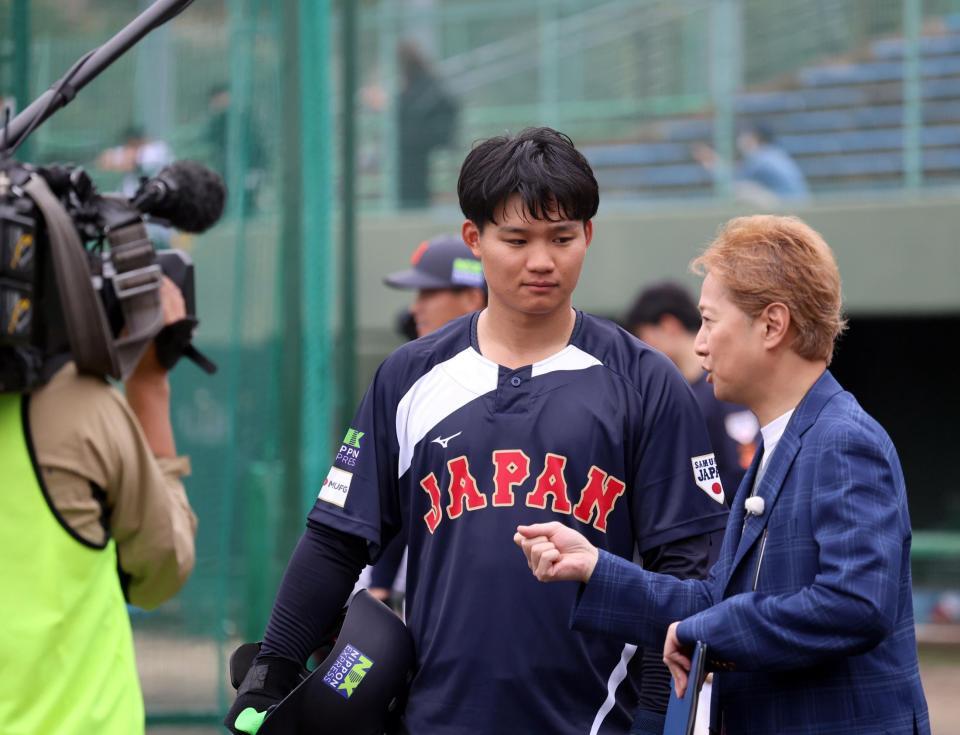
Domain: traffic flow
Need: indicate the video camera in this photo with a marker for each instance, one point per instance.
(79, 276)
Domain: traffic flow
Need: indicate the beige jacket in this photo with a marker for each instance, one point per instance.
(102, 478)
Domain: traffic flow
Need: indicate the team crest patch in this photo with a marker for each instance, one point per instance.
(336, 487)
(707, 476)
(347, 671)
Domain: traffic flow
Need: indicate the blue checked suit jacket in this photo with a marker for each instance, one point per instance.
(807, 613)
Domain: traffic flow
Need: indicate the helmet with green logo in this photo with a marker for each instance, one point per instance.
(360, 687)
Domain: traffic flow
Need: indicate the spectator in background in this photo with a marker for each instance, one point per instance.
(138, 156)
(448, 279)
(427, 116)
(666, 317)
(766, 173)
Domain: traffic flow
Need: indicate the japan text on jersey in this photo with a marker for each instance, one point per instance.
(604, 436)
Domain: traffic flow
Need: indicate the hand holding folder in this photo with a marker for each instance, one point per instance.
(682, 711)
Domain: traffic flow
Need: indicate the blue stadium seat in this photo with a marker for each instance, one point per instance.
(642, 177)
(888, 49)
(636, 154)
(876, 71)
(866, 140)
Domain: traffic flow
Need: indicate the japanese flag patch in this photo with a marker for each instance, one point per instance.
(707, 476)
(336, 487)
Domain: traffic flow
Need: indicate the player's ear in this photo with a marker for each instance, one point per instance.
(471, 236)
(588, 231)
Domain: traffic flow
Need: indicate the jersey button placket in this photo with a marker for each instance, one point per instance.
(515, 381)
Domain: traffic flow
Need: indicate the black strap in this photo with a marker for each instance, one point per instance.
(87, 329)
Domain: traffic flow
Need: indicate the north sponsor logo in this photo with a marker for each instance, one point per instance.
(336, 486)
(348, 671)
(707, 476)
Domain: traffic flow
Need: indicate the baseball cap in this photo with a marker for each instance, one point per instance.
(443, 262)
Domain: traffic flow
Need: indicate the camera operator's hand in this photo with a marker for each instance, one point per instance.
(269, 680)
(174, 309)
(147, 388)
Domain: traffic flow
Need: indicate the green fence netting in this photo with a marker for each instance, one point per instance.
(222, 84)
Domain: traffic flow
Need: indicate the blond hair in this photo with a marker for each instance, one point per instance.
(765, 259)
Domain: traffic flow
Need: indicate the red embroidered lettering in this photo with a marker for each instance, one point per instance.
(551, 482)
(600, 492)
(511, 467)
(434, 515)
(462, 487)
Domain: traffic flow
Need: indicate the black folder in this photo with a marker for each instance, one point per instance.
(682, 712)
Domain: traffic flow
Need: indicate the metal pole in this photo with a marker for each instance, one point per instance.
(912, 114)
(315, 284)
(723, 82)
(549, 13)
(348, 322)
(21, 61)
(292, 156)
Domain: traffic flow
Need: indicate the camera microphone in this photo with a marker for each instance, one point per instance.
(186, 194)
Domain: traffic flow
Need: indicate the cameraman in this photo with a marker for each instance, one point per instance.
(92, 487)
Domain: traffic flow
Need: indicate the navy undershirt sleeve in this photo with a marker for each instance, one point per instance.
(687, 558)
(384, 572)
(318, 580)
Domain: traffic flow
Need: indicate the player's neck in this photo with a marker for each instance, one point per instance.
(514, 339)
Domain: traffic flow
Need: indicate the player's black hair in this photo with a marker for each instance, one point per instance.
(660, 299)
(541, 165)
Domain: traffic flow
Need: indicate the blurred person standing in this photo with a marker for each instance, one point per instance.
(94, 515)
(666, 317)
(427, 118)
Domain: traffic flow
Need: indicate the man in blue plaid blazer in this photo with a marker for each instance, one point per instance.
(807, 614)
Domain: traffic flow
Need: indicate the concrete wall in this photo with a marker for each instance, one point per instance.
(896, 256)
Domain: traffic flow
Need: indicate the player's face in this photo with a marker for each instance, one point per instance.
(435, 307)
(531, 266)
(729, 344)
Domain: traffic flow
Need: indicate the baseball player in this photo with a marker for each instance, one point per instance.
(528, 410)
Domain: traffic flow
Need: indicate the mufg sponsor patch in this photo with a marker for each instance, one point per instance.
(347, 671)
(707, 476)
(336, 487)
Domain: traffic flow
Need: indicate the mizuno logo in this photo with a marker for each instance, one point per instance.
(443, 442)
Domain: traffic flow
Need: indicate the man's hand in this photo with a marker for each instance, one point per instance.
(677, 658)
(556, 553)
(147, 388)
(174, 309)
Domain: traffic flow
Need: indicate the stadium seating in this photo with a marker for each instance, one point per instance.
(842, 123)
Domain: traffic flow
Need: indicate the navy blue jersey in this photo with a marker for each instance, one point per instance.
(604, 436)
(733, 431)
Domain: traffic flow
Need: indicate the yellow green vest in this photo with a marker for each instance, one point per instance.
(66, 649)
